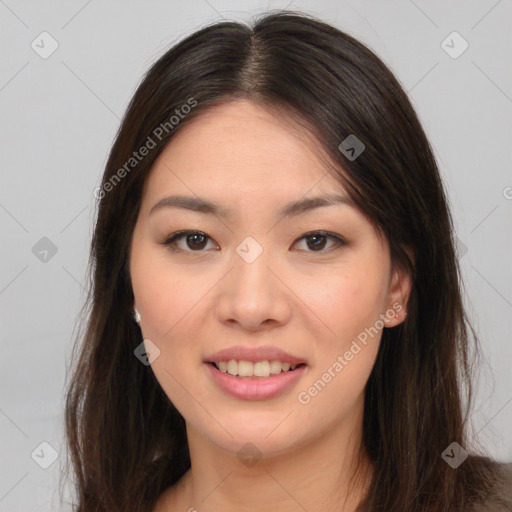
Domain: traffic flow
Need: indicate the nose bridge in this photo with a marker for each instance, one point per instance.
(251, 294)
(251, 276)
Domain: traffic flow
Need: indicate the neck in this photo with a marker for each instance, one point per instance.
(331, 472)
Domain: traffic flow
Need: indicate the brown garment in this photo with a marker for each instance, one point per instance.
(501, 500)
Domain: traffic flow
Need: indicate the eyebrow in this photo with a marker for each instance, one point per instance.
(295, 208)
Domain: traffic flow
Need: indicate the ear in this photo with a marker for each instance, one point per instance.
(399, 291)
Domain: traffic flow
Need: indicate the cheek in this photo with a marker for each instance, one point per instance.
(346, 299)
(349, 305)
(333, 392)
(169, 302)
(165, 296)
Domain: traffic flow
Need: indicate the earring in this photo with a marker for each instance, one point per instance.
(136, 315)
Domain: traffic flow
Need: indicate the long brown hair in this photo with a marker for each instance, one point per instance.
(127, 442)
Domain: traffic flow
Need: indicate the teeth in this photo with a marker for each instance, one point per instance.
(262, 369)
(275, 367)
(232, 367)
(249, 369)
(245, 369)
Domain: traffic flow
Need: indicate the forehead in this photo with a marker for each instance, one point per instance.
(239, 150)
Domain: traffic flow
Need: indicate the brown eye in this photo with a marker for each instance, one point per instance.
(317, 241)
(194, 241)
(197, 241)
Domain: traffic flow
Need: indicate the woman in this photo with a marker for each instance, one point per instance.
(272, 215)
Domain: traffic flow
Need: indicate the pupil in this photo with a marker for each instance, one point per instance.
(316, 245)
(194, 241)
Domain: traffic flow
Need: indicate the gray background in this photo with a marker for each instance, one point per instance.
(59, 116)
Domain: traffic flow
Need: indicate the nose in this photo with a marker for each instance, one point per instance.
(253, 295)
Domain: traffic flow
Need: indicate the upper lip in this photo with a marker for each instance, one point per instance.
(254, 354)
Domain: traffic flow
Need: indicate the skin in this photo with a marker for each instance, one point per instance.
(312, 304)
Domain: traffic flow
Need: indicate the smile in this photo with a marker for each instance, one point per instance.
(255, 387)
(250, 369)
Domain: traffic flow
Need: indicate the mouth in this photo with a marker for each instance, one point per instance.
(238, 379)
(258, 370)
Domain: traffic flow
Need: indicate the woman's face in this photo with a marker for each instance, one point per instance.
(252, 282)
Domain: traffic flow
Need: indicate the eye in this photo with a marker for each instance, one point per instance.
(196, 241)
(317, 241)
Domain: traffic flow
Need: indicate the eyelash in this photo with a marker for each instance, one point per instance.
(170, 240)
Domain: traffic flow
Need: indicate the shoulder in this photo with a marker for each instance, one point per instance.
(504, 487)
(500, 499)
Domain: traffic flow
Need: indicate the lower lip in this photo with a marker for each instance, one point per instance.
(255, 389)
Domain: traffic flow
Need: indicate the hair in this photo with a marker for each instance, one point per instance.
(127, 441)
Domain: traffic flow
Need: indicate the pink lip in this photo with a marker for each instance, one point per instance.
(268, 353)
(257, 388)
